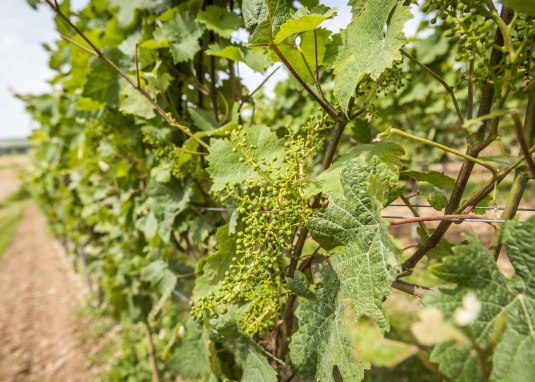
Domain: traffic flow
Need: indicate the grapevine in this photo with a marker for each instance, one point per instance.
(237, 235)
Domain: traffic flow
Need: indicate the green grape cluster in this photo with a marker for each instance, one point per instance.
(272, 209)
(468, 23)
(392, 79)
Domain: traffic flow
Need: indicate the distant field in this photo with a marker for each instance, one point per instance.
(14, 146)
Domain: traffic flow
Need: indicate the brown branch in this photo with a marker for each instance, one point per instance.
(92, 52)
(522, 142)
(444, 84)
(515, 195)
(213, 82)
(151, 354)
(476, 198)
(415, 290)
(328, 108)
(476, 145)
(470, 97)
(136, 61)
(252, 93)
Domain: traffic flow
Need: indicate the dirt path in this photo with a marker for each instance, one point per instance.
(39, 338)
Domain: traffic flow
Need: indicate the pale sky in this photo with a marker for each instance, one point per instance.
(24, 63)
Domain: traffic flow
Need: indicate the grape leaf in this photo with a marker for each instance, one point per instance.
(224, 163)
(435, 178)
(366, 265)
(220, 20)
(264, 18)
(203, 119)
(437, 199)
(102, 83)
(370, 44)
(127, 9)
(357, 7)
(191, 356)
(254, 364)
(512, 300)
(158, 274)
(371, 346)
(166, 201)
(525, 6)
(303, 22)
(308, 48)
(183, 34)
(322, 342)
(299, 285)
(217, 264)
(329, 181)
(230, 52)
(250, 355)
(134, 103)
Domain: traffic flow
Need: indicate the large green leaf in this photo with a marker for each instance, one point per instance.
(134, 103)
(220, 20)
(435, 178)
(224, 162)
(370, 44)
(126, 10)
(302, 22)
(254, 363)
(304, 63)
(527, 6)
(166, 201)
(366, 265)
(329, 181)
(512, 301)
(264, 18)
(102, 82)
(322, 341)
(183, 33)
(163, 279)
(192, 353)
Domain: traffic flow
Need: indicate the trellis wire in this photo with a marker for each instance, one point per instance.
(475, 220)
(475, 208)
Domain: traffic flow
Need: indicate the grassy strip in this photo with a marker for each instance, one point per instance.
(10, 218)
(11, 212)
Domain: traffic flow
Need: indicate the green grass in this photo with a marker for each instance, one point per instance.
(11, 212)
(10, 218)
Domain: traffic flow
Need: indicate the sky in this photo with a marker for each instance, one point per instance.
(24, 63)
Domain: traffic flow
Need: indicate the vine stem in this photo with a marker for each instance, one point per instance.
(413, 289)
(489, 186)
(522, 142)
(515, 195)
(526, 135)
(439, 146)
(95, 51)
(252, 93)
(151, 353)
(476, 144)
(444, 84)
(325, 106)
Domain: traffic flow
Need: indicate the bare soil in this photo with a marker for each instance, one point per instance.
(39, 294)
